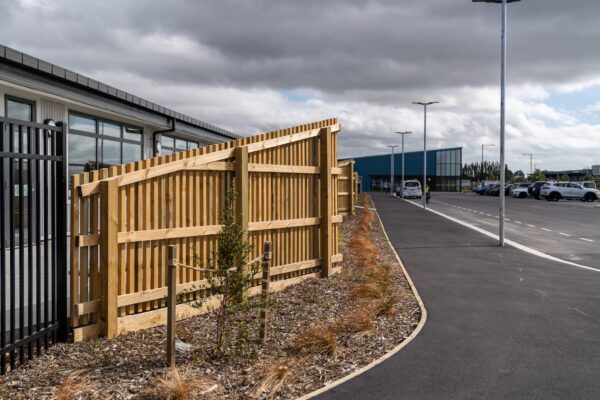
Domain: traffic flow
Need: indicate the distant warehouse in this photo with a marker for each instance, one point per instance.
(444, 169)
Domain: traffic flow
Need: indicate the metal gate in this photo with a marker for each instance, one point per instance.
(33, 299)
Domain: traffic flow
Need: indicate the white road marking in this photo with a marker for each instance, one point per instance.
(512, 243)
(489, 215)
(531, 226)
(564, 234)
(587, 240)
(518, 222)
(546, 229)
(507, 219)
(495, 216)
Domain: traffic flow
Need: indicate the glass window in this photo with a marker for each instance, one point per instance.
(107, 129)
(180, 144)
(82, 149)
(132, 134)
(131, 152)
(111, 152)
(166, 141)
(192, 145)
(19, 110)
(82, 124)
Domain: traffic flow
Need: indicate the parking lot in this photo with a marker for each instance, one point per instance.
(569, 230)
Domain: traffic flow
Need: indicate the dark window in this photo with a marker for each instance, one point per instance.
(96, 143)
(171, 145)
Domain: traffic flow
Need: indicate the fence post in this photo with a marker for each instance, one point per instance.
(241, 185)
(171, 303)
(325, 189)
(266, 282)
(352, 187)
(109, 247)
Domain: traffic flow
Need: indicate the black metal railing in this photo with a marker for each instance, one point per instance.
(33, 298)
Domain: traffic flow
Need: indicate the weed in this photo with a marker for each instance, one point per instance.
(363, 246)
(316, 340)
(273, 379)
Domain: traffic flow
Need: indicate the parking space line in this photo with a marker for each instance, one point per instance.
(587, 240)
(564, 234)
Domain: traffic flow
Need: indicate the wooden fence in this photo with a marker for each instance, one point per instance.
(346, 187)
(123, 218)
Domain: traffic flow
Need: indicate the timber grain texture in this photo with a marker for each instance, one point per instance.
(291, 192)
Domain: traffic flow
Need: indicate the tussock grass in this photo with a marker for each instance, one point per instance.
(72, 386)
(174, 386)
(316, 340)
(273, 379)
(363, 246)
(370, 291)
(356, 321)
(387, 306)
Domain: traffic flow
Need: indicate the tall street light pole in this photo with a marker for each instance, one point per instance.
(393, 146)
(482, 146)
(502, 110)
(423, 190)
(402, 181)
(530, 162)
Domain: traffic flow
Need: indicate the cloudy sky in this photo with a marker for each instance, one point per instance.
(256, 65)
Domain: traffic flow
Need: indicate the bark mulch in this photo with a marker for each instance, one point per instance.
(130, 366)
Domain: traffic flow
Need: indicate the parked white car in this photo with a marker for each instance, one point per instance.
(412, 188)
(568, 190)
(521, 192)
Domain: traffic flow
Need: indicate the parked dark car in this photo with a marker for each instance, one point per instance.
(481, 190)
(536, 187)
(494, 190)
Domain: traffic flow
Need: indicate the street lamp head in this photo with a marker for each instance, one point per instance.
(392, 145)
(403, 133)
(425, 104)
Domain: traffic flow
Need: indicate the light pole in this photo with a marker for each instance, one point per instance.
(402, 181)
(423, 190)
(392, 146)
(502, 109)
(482, 146)
(530, 162)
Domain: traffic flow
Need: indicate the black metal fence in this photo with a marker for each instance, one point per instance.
(33, 298)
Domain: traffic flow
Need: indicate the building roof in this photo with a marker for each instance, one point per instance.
(399, 152)
(56, 72)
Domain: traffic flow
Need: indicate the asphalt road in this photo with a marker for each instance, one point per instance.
(569, 230)
(502, 323)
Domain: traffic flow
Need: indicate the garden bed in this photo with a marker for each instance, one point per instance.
(319, 331)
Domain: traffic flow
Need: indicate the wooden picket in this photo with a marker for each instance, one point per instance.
(123, 219)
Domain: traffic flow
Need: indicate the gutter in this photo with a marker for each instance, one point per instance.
(156, 136)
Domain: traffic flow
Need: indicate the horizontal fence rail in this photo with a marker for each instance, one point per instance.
(124, 218)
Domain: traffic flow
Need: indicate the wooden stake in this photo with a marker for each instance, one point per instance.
(266, 281)
(171, 304)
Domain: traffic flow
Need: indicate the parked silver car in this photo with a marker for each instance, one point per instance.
(568, 190)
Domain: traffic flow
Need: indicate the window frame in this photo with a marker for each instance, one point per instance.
(100, 137)
(16, 99)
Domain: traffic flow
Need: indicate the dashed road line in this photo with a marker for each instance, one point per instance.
(489, 215)
(531, 226)
(587, 240)
(547, 230)
(518, 222)
(564, 234)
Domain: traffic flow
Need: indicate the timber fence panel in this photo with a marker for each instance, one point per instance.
(290, 191)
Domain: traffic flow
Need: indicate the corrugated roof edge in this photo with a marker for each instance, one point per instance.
(55, 71)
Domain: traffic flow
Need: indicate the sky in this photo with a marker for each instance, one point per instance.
(257, 65)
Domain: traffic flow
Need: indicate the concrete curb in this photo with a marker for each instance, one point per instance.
(396, 349)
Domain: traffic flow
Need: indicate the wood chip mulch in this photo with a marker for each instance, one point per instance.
(130, 366)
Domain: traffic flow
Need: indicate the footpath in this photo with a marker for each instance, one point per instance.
(502, 323)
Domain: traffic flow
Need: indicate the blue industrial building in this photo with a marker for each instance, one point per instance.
(444, 169)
